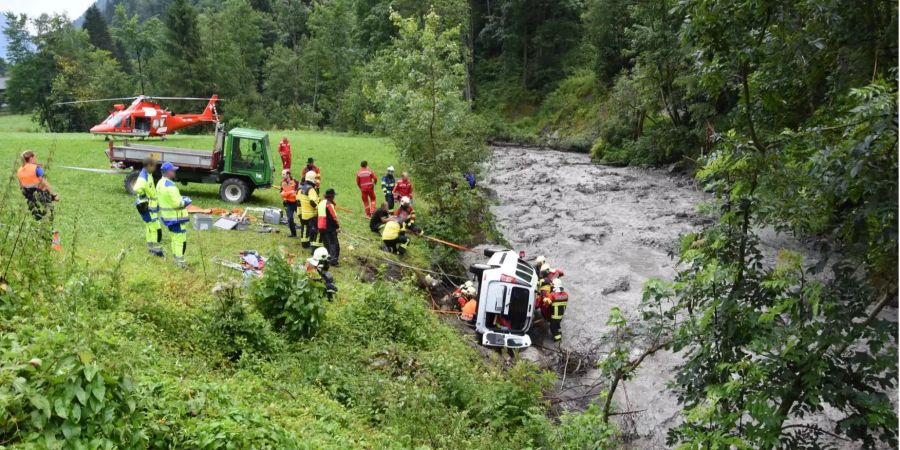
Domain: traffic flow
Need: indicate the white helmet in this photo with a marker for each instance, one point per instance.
(470, 291)
(540, 260)
(557, 284)
(469, 283)
(320, 254)
(390, 168)
(310, 176)
(404, 200)
(545, 267)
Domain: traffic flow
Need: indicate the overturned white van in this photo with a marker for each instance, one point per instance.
(506, 290)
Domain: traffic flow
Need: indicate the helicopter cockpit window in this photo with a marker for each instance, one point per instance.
(115, 120)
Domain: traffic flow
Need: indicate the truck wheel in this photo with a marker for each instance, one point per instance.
(234, 190)
(130, 179)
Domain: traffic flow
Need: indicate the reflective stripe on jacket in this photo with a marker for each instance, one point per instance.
(289, 190)
(28, 177)
(558, 303)
(327, 217)
(145, 189)
(171, 206)
(309, 198)
(387, 184)
(366, 179)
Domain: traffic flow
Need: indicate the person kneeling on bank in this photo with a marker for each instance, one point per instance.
(393, 236)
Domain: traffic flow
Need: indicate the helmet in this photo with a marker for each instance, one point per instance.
(404, 200)
(540, 260)
(310, 176)
(470, 291)
(557, 284)
(469, 283)
(545, 268)
(285, 172)
(320, 254)
(390, 168)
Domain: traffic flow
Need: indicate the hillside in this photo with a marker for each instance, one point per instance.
(179, 367)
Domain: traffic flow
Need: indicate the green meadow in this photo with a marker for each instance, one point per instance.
(382, 372)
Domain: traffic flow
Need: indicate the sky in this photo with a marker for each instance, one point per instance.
(74, 8)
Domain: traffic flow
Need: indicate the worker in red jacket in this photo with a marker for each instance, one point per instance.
(284, 149)
(311, 167)
(403, 188)
(366, 180)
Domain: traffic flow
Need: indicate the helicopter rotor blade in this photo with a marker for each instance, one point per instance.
(205, 99)
(95, 101)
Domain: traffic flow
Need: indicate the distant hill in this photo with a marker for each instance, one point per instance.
(143, 8)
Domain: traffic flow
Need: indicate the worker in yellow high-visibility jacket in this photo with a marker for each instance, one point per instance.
(309, 199)
(147, 203)
(172, 209)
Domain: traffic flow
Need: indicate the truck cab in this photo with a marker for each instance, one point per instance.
(506, 290)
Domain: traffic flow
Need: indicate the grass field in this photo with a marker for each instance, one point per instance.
(383, 372)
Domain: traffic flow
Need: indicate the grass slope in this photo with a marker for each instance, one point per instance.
(383, 372)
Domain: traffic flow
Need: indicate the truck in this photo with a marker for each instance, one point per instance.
(506, 291)
(239, 162)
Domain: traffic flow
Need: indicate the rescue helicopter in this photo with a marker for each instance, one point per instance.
(144, 117)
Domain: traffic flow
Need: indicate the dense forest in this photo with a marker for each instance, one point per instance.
(786, 110)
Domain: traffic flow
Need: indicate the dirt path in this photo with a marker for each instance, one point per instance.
(610, 229)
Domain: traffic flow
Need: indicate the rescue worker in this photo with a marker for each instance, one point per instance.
(37, 191)
(328, 227)
(393, 236)
(147, 204)
(387, 186)
(309, 199)
(376, 223)
(554, 308)
(311, 167)
(318, 264)
(284, 149)
(468, 302)
(538, 262)
(172, 210)
(289, 188)
(470, 178)
(403, 188)
(407, 216)
(365, 180)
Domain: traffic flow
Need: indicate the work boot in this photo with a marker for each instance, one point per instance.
(179, 262)
(154, 250)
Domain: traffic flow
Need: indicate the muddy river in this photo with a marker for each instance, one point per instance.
(610, 229)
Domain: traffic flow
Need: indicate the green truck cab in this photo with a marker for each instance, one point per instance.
(239, 162)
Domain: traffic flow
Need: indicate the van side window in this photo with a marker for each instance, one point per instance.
(496, 296)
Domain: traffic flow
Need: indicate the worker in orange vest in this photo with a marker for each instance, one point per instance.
(366, 180)
(289, 199)
(35, 188)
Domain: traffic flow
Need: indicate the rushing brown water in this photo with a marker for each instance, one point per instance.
(610, 229)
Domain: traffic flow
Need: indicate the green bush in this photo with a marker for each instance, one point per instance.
(286, 297)
(54, 395)
(584, 431)
(236, 327)
(386, 312)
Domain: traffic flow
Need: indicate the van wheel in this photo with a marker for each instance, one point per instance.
(477, 268)
(130, 179)
(234, 190)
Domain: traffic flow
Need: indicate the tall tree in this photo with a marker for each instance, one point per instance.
(184, 71)
(100, 37)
